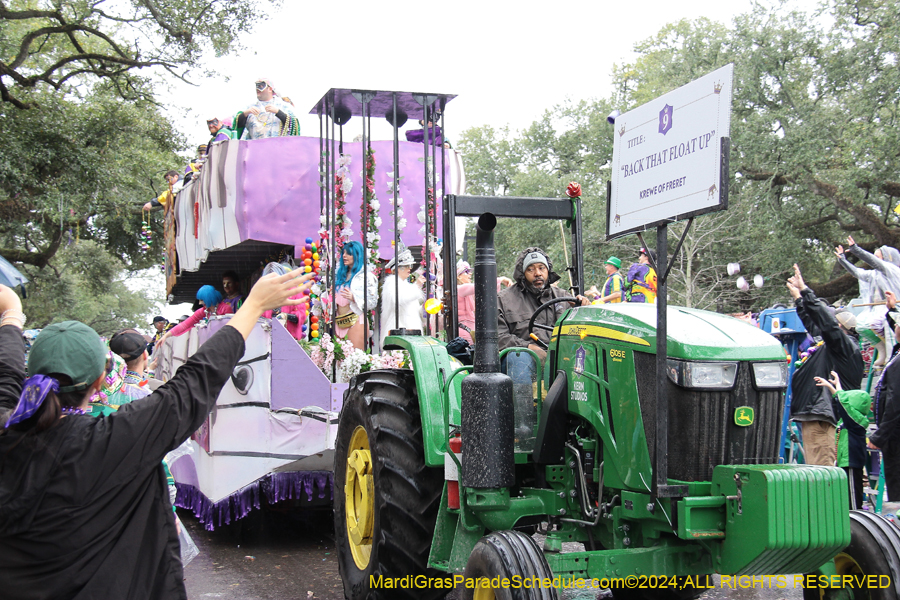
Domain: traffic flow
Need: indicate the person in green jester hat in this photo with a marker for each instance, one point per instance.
(852, 408)
(614, 287)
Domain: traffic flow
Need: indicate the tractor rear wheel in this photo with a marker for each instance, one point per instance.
(385, 498)
(508, 554)
(874, 550)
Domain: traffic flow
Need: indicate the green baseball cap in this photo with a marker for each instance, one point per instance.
(68, 348)
(612, 260)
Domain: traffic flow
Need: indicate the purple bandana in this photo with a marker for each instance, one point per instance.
(34, 391)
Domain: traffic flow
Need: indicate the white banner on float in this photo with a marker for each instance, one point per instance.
(667, 156)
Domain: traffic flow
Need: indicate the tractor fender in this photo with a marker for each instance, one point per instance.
(433, 367)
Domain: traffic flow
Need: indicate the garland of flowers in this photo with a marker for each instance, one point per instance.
(430, 235)
(343, 185)
(349, 360)
(396, 207)
(369, 213)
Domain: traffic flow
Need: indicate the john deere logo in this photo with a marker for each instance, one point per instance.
(743, 416)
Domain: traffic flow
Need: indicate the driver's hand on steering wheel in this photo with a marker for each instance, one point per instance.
(584, 301)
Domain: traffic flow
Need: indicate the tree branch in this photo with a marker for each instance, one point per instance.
(835, 288)
(864, 215)
(162, 22)
(775, 178)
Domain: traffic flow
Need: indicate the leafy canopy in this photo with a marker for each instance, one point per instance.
(814, 150)
(64, 44)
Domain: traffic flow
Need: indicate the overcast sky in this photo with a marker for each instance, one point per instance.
(506, 61)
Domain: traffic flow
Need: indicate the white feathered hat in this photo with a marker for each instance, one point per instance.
(404, 257)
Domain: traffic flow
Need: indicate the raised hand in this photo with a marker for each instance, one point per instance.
(797, 279)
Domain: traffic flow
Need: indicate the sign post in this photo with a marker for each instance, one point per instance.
(670, 162)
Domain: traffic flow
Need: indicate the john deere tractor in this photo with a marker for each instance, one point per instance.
(526, 480)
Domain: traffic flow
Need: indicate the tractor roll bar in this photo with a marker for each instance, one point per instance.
(568, 209)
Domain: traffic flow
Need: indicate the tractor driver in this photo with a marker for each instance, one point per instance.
(533, 277)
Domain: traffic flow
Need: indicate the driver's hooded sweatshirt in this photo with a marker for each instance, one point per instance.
(518, 302)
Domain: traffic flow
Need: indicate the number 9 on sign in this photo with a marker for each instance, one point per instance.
(665, 119)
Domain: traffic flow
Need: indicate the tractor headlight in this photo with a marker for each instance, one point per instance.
(707, 375)
(770, 374)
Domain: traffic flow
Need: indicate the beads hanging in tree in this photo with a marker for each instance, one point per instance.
(146, 241)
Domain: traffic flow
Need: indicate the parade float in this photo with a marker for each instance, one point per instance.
(294, 201)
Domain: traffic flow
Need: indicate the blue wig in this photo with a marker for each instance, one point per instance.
(354, 249)
(210, 296)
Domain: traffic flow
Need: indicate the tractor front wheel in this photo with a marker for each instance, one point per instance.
(385, 498)
(509, 555)
(874, 550)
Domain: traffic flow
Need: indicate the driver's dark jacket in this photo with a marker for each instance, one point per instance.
(516, 304)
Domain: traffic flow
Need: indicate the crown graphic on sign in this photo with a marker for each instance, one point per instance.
(622, 130)
(717, 87)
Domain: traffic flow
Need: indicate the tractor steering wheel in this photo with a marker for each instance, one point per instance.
(539, 310)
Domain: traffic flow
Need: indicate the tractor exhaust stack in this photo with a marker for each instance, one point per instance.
(487, 395)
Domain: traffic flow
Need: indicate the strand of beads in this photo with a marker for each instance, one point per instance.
(146, 242)
(309, 259)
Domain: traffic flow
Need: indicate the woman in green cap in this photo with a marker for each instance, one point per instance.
(79, 494)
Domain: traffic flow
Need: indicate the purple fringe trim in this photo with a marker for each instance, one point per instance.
(276, 487)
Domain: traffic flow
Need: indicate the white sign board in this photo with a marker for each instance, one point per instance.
(667, 156)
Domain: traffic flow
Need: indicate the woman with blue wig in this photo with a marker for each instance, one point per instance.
(211, 303)
(78, 493)
(357, 291)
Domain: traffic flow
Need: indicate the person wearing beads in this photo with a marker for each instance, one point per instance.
(220, 130)
(211, 303)
(401, 300)
(86, 512)
(268, 117)
(132, 347)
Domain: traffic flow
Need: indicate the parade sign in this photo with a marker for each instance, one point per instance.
(668, 156)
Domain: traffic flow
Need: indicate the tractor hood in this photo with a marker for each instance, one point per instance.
(693, 334)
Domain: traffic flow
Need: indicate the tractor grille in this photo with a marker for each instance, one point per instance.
(702, 433)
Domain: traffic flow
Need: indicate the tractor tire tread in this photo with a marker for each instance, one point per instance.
(407, 492)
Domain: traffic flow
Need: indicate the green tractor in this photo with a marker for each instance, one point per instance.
(647, 502)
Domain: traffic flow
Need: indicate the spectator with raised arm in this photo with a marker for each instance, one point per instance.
(80, 494)
(811, 405)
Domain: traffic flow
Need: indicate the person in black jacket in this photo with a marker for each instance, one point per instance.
(887, 412)
(812, 406)
(84, 508)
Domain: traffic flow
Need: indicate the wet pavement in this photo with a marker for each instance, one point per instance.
(291, 556)
(266, 556)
